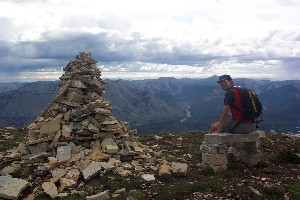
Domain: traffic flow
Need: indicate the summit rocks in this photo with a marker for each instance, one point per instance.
(77, 138)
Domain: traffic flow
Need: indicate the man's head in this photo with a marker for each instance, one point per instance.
(224, 77)
(226, 82)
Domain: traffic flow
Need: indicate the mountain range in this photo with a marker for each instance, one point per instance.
(162, 105)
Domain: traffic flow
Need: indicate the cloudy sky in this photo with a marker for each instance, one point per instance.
(138, 39)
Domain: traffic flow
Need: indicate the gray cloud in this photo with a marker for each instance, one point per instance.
(125, 40)
(30, 55)
(57, 48)
(26, 2)
(290, 67)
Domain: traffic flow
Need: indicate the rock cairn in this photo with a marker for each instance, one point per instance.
(79, 114)
(76, 137)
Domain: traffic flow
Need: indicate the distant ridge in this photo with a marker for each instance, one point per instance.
(158, 105)
(4, 87)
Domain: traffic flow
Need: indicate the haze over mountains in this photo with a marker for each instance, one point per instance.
(162, 105)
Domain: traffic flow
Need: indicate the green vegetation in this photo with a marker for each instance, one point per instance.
(171, 192)
(271, 192)
(279, 161)
(240, 190)
(10, 138)
(235, 169)
(289, 156)
(262, 164)
(114, 182)
(137, 194)
(175, 191)
(70, 197)
(293, 187)
(208, 171)
(284, 149)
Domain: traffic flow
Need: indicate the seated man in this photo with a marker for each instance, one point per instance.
(232, 103)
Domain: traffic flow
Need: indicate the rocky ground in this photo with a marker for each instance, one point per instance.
(276, 177)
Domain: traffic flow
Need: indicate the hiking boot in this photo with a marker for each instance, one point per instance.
(232, 150)
(230, 158)
(230, 155)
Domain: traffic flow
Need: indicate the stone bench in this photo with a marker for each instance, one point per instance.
(214, 149)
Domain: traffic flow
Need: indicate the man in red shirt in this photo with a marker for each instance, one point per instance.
(232, 103)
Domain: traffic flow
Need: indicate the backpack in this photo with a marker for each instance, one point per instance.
(251, 103)
(252, 107)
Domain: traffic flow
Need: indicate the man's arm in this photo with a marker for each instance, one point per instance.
(223, 118)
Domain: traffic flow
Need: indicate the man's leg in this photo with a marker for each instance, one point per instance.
(231, 151)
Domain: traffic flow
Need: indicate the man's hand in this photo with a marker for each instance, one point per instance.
(218, 131)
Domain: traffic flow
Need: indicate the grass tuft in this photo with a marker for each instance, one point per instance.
(293, 187)
(289, 156)
(137, 194)
(208, 171)
(272, 192)
(114, 181)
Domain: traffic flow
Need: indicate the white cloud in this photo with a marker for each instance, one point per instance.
(137, 38)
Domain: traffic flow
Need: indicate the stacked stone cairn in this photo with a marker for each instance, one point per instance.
(215, 149)
(76, 137)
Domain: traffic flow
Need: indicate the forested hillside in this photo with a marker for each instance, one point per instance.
(164, 104)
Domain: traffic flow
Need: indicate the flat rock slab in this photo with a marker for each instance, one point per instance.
(227, 138)
(93, 169)
(50, 189)
(179, 168)
(10, 188)
(100, 196)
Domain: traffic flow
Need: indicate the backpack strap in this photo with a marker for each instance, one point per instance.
(258, 121)
(239, 109)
